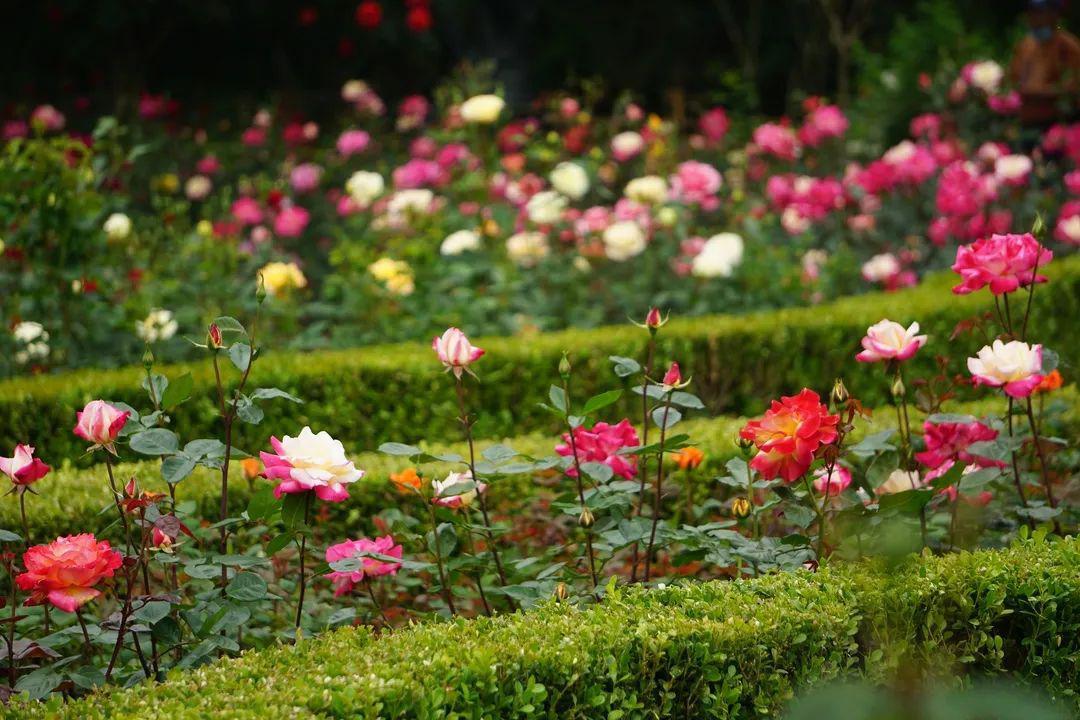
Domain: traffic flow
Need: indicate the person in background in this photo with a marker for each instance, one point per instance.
(1045, 66)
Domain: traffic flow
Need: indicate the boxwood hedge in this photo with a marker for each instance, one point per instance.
(704, 650)
(399, 392)
(71, 498)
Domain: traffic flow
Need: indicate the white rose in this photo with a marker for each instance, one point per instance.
(197, 187)
(986, 76)
(33, 341)
(416, 201)
(482, 109)
(364, 186)
(545, 208)
(647, 190)
(793, 221)
(899, 153)
(317, 461)
(527, 248)
(570, 179)
(1012, 167)
(158, 325)
(880, 267)
(627, 144)
(459, 242)
(720, 256)
(898, 481)
(623, 240)
(117, 226)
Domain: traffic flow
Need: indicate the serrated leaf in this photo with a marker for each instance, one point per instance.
(157, 441)
(177, 467)
(240, 355)
(246, 587)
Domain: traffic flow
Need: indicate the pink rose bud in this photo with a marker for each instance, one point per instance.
(22, 467)
(99, 423)
(213, 336)
(455, 351)
(654, 320)
(673, 377)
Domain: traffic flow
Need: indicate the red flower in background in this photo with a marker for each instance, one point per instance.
(418, 19)
(369, 14)
(307, 16)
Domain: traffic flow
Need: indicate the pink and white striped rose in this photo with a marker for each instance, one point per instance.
(888, 340)
(1015, 367)
(455, 351)
(310, 462)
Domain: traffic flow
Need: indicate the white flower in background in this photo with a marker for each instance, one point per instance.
(986, 76)
(158, 325)
(581, 264)
(667, 217)
(880, 267)
(353, 90)
(546, 207)
(33, 342)
(570, 179)
(1012, 168)
(262, 118)
(900, 153)
(647, 190)
(416, 201)
(794, 221)
(117, 226)
(898, 481)
(626, 145)
(482, 109)
(459, 242)
(527, 248)
(719, 257)
(198, 187)
(364, 186)
(623, 240)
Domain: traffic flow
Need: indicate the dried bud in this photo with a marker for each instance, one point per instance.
(746, 446)
(561, 593)
(213, 336)
(898, 388)
(586, 519)
(740, 507)
(564, 366)
(840, 392)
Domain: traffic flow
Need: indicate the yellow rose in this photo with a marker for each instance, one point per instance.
(278, 277)
(205, 228)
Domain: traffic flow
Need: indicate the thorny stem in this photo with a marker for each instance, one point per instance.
(467, 425)
(1012, 453)
(447, 595)
(375, 602)
(643, 460)
(820, 516)
(1042, 459)
(88, 649)
(580, 487)
(657, 490)
(478, 577)
(11, 627)
(124, 613)
(303, 551)
(116, 500)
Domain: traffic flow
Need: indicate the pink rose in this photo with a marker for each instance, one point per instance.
(601, 444)
(100, 423)
(291, 221)
(247, 211)
(305, 177)
(417, 173)
(713, 125)
(696, 183)
(22, 467)
(776, 140)
(353, 142)
(1004, 262)
(948, 442)
(455, 351)
(345, 581)
(834, 484)
(310, 462)
(887, 340)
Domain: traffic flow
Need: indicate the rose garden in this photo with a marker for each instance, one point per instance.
(438, 405)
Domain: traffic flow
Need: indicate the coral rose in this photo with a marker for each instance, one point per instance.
(789, 435)
(65, 571)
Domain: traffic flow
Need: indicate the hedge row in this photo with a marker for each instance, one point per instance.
(71, 498)
(704, 650)
(399, 392)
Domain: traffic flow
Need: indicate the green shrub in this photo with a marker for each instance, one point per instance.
(71, 498)
(399, 392)
(704, 650)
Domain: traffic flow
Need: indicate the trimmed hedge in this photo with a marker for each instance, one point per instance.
(399, 392)
(71, 498)
(705, 650)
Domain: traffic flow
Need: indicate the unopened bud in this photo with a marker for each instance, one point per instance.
(260, 289)
(564, 366)
(1038, 228)
(561, 593)
(747, 446)
(740, 507)
(898, 388)
(213, 336)
(586, 519)
(840, 392)
(148, 358)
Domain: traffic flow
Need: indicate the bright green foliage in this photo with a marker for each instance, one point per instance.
(399, 392)
(705, 650)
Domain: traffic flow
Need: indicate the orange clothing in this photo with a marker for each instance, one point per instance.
(1043, 72)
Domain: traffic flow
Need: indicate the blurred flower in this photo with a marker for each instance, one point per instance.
(368, 16)
(647, 190)
(527, 248)
(627, 145)
(291, 221)
(601, 444)
(1013, 169)
(364, 186)
(985, 75)
(247, 211)
(482, 109)
(623, 240)
(696, 183)
(279, 277)
(117, 227)
(64, 572)
(452, 492)
(305, 177)
(713, 125)
(459, 242)
(888, 340)
(157, 325)
(310, 462)
(545, 207)
(1050, 382)
(948, 442)
(46, 118)
(719, 256)
(197, 187)
(688, 458)
(407, 480)
(1015, 367)
(32, 342)
(570, 179)
(834, 484)
(353, 142)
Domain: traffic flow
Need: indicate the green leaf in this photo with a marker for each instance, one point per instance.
(557, 396)
(177, 467)
(240, 355)
(666, 417)
(8, 536)
(396, 448)
(624, 366)
(178, 391)
(499, 453)
(263, 504)
(278, 543)
(246, 587)
(248, 411)
(153, 611)
(596, 402)
(157, 441)
(229, 325)
(686, 400)
(273, 394)
(293, 508)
